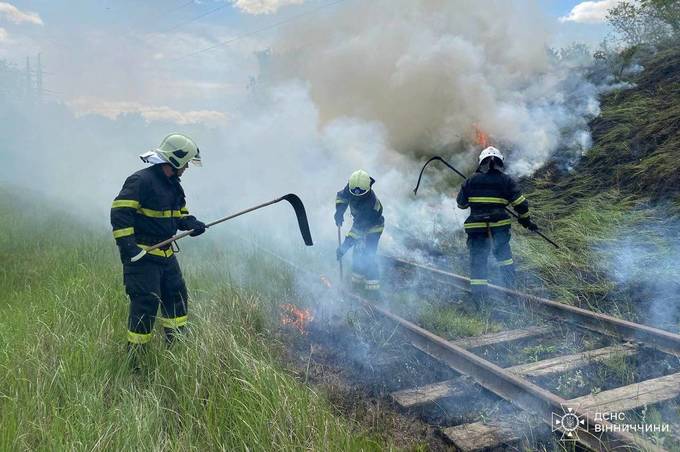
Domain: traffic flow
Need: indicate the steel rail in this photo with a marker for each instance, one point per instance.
(602, 323)
(514, 389)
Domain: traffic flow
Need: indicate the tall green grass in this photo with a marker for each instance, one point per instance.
(64, 380)
(625, 187)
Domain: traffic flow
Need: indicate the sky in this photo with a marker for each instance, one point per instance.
(185, 61)
(293, 95)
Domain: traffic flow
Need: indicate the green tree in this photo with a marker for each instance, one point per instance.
(638, 24)
(667, 11)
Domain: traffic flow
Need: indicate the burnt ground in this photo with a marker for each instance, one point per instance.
(357, 361)
(357, 377)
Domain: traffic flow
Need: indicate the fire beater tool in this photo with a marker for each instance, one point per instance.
(294, 201)
(436, 157)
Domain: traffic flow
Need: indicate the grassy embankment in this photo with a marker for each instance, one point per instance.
(617, 216)
(64, 383)
(616, 213)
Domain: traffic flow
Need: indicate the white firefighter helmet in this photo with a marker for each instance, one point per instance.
(178, 150)
(359, 183)
(490, 152)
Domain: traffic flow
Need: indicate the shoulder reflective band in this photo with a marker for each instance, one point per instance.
(130, 203)
(487, 200)
(375, 229)
(518, 201)
(340, 201)
(124, 232)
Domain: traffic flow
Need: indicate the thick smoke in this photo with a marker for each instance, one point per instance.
(643, 263)
(378, 86)
(432, 71)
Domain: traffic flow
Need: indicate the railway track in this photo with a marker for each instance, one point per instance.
(590, 412)
(585, 420)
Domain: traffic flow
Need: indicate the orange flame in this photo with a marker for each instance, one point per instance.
(481, 137)
(292, 315)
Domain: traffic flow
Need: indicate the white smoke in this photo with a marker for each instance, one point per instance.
(642, 260)
(378, 85)
(432, 70)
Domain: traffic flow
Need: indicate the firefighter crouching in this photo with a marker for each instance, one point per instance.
(367, 226)
(487, 193)
(151, 208)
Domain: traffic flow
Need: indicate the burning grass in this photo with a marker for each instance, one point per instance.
(616, 213)
(296, 317)
(64, 384)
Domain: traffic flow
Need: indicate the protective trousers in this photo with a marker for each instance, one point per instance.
(480, 242)
(149, 283)
(365, 269)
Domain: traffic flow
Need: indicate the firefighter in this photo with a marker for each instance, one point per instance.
(487, 193)
(151, 208)
(367, 226)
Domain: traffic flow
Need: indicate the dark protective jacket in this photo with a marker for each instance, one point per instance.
(487, 194)
(150, 208)
(366, 210)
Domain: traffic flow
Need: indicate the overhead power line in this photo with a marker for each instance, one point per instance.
(194, 19)
(259, 30)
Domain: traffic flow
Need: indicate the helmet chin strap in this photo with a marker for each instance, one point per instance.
(490, 163)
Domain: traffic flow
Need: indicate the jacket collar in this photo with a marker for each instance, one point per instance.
(158, 171)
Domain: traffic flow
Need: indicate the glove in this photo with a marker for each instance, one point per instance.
(198, 228)
(348, 243)
(191, 222)
(339, 220)
(527, 223)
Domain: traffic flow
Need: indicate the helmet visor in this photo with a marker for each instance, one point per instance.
(197, 159)
(358, 191)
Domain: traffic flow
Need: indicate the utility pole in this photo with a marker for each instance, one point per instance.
(39, 80)
(27, 88)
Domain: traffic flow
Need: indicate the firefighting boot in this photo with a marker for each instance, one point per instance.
(372, 289)
(135, 353)
(172, 334)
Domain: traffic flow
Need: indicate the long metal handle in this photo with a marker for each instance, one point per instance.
(415, 192)
(213, 223)
(340, 261)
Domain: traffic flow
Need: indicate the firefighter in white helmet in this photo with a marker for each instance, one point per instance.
(149, 209)
(367, 226)
(487, 193)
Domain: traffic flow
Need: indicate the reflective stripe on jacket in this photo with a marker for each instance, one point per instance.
(366, 210)
(487, 195)
(150, 208)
